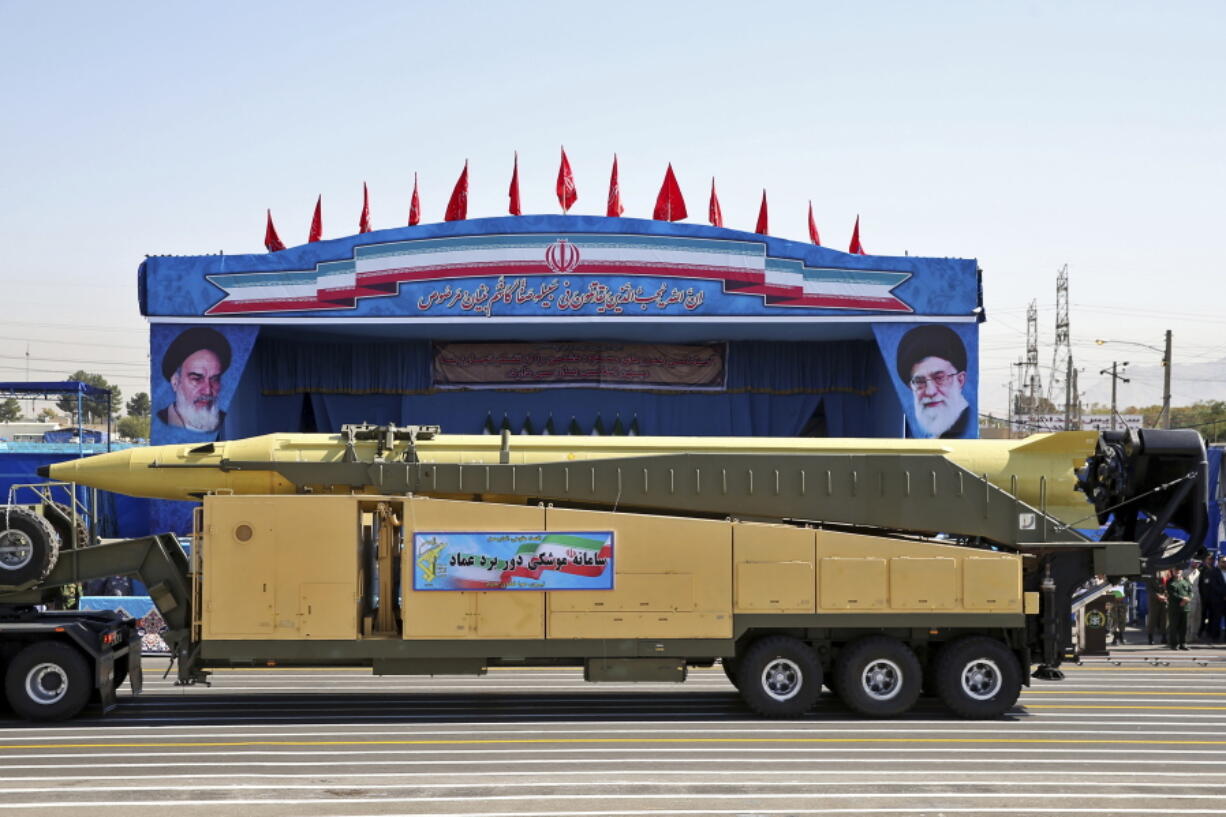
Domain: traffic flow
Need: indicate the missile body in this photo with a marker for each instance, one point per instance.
(1039, 469)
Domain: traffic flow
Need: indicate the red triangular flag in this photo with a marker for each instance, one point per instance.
(761, 225)
(457, 206)
(567, 194)
(414, 205)
(272, 241)
(513, 192)
(364, 221)
(317, 222)
(813, 236)
(714, 214)
(670, 206)
(856, 247)
(615, 193)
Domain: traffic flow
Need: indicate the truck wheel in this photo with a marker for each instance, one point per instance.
(977, 677)
(29, 547)
(779, 677)
(878, 676)
(730, 667)
(71, 535)
(48, 681)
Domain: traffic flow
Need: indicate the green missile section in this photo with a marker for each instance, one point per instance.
(1038, 470)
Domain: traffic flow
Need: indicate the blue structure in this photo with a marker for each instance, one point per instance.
(554, 323)
(1216, 537)
(74, 388)
(19, 461)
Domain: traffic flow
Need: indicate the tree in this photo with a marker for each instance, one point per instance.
(1206, 416)
(140, 405)
(10, 410)
(134, 428)
(94, 406)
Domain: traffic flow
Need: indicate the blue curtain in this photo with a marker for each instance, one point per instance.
(371, 367)
(773, 389)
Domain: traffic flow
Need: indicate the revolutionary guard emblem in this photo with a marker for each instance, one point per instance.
(562, 256)
(427, 560)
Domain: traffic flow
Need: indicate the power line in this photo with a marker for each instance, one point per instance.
(59, 373)
(88, 343)
(1149, 313)
(75, 362)
(77, 326)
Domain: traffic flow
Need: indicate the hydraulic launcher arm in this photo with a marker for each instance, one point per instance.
(1144, 482)
(1141, 483)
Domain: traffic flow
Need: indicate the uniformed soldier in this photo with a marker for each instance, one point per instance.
(1155, 619)
(1117, 612)
(1179, 596)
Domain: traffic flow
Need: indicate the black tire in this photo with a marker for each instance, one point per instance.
(730, 667)
(48, 681)
(878, 676)
(71, 535)
(29, 547)
(779, 677)
(977, 677)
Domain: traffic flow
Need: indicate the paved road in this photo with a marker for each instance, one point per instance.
(1126, 738)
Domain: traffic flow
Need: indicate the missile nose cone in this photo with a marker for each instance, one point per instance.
(44, 471)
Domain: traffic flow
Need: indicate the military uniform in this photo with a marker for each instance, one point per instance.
(1179, 596)
(1155, 619)
(1117, 614)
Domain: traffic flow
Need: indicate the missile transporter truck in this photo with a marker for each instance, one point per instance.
(881, 569)
(41, 649)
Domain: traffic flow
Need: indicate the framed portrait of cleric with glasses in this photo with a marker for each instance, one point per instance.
(936, 375)
(194, 373)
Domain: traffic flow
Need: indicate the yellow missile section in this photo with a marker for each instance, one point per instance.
(1039, 469)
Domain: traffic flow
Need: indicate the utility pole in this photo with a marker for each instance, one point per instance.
(1076, 401)
(1068, 395)
(1166, 383)
(28, 379)
(1116, 377)
(1009, 427)
(1016, 402)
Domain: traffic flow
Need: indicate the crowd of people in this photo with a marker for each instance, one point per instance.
(1184, 605)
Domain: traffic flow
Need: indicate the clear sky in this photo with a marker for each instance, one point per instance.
(1027, 135)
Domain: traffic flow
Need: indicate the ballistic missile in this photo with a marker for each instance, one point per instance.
(1039, 470)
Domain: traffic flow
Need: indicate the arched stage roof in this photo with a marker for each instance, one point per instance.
(533, 277)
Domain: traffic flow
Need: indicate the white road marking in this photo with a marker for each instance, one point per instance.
(738, 752)
(537, 797)
(743, 812)
(968, 778)
(801, 731)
